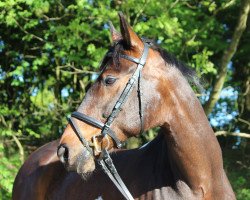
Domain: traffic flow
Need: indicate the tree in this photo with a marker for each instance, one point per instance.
(227, 57)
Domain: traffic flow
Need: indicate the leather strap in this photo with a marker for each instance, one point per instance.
(94, 122)
(87, 119)
(80, 135)
(140, 103)
(109, 168)
(130, 58)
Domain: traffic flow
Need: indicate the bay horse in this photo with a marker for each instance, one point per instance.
(183, 162)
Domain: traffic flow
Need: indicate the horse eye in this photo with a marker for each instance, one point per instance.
(109, 80)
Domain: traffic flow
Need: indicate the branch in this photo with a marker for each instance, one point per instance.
(247, 88)
(227, 57)
(18, 143)
(226, 5)
(140, 12)
(76, 70)
(29, 56)
(20, 147)
(34, 36)
(206, 23)
(47, 18)
(225, 133)
(244, 121)
(173, 4)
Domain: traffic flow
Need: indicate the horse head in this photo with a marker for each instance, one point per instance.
(142, 106)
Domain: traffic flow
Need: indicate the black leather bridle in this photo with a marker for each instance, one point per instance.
(105, 160)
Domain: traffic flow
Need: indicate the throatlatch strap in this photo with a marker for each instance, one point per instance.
(140, 103)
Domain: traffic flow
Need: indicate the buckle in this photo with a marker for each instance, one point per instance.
(106, 126)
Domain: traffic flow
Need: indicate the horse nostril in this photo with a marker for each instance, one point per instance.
(63, 153)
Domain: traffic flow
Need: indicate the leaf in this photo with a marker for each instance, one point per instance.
(91, 49)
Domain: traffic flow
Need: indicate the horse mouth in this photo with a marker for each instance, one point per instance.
(83, 165)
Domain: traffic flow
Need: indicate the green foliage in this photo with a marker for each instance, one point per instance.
(50, 49)
(237, 166)
(202, 59)
(9, 164)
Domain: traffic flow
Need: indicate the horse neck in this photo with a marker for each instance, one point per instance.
(193, 149)
(152, 157)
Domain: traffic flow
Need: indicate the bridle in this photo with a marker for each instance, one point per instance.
(105, 160)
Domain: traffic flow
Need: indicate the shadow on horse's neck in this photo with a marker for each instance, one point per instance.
(157, 145)
(149, 167)
(153, 153)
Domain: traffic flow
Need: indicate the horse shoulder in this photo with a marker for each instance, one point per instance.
(38, 174)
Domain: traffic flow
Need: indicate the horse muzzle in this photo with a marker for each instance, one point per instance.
(82, 162)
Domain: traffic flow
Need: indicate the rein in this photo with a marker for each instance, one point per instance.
(105, 160)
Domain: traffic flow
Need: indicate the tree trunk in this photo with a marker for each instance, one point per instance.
(244, 104)
(227, 56)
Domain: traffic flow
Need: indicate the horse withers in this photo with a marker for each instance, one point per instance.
(137, 90)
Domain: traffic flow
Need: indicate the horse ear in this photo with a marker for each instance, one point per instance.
(130, 38)
(115, 35)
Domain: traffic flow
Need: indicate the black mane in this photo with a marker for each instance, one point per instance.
(171, 60)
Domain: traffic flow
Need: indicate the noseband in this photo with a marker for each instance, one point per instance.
(105, 160)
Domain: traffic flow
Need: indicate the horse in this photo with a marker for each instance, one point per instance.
(183, 162)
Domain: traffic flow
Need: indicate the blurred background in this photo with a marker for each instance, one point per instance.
(50, 50)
